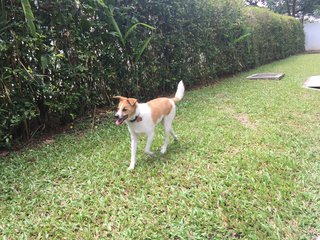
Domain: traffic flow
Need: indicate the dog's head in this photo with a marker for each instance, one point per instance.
(126, 108)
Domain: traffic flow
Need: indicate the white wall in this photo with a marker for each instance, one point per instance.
(312, 32)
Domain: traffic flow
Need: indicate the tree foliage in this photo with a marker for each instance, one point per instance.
(80, 53)
(255, 2)
(294, 8)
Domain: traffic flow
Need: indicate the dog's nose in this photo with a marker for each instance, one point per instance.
(116, 116)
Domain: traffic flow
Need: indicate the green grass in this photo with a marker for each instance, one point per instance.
(247, 166)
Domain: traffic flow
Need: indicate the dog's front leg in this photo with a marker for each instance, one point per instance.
(149, 142)
(134, 144)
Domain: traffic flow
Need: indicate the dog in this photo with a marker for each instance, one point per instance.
(142, 118)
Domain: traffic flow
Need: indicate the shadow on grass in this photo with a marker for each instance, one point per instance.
(159, 159)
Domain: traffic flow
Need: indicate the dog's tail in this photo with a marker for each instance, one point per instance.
(179, 93)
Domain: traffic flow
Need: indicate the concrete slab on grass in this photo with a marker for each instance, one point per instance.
(266, 76)
(313, 82)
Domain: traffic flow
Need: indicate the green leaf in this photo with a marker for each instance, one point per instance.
(59, 55)
(115, 34)
(44, 61)
(133, 27)
(29, 16)
(241, 38)
(142, 49)
(112, 20)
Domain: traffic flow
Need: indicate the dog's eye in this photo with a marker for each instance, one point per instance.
(124, 109)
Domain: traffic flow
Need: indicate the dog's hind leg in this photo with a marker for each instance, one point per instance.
(149, 142)
(173, 134)
(167, 125)
(166, 141)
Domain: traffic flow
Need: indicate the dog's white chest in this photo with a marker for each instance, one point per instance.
(145, 123)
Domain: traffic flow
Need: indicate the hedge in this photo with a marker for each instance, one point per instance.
(78, 59)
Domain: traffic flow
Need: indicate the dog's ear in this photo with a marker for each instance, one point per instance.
(120, 98)
(132, 101)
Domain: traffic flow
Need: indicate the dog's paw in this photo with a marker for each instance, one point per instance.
(163, 149)
(130, 168)
(151, 154)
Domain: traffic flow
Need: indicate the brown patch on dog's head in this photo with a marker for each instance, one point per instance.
(126, 108)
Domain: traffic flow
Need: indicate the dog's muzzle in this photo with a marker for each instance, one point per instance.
(120, 120)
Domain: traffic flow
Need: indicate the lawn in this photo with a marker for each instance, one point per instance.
(247, 166)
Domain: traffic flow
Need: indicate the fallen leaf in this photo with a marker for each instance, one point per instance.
(4, 153)
(49, 141)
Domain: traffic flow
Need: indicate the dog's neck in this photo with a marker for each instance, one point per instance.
(136, 115)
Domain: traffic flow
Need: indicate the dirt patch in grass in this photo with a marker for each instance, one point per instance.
(242, 118)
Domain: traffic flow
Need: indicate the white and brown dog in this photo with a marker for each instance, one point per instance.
(142, 118)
